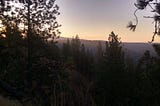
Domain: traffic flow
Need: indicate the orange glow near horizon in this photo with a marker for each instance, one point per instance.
(94, 20)
(140, 35)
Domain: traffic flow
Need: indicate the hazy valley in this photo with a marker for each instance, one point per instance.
(132, 50)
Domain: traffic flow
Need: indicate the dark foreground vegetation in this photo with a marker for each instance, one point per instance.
(72, 76)
(36, 72)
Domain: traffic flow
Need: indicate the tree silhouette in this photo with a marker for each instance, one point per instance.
(38, 15)
(27, 27)
(154, 5)
(99, 55)
(114, 82)
(66, 50)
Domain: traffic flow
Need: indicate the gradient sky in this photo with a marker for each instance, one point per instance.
(95, 19)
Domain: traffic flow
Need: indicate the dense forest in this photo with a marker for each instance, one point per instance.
(34, 71)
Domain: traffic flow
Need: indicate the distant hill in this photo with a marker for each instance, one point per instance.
(132, 50)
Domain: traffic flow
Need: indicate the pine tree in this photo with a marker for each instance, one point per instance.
(100, 54)
(66, 50)
(75, 50)
(28, 28)
(113, 81)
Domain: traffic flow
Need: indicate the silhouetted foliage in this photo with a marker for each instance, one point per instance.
(38, 15)
(70, 75)
(147, 71)
(154, 5)
(80, 56)
(113, 80)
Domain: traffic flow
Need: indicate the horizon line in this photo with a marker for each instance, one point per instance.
(106, 40)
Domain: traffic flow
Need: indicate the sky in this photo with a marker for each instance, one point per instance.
(95, 19)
